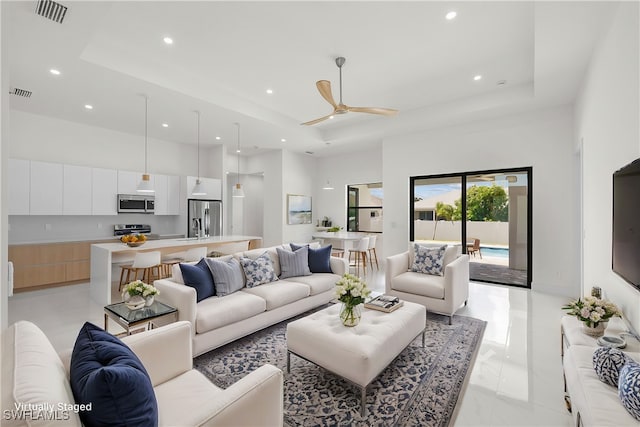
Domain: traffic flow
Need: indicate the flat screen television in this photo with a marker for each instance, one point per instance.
(626, 223)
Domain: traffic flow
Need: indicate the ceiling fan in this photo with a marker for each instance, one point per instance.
(324, 87)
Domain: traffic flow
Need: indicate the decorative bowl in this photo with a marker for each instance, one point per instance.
(135, 244)
(135, 302)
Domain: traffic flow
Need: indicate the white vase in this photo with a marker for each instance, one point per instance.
(149, 300)
(594, 331)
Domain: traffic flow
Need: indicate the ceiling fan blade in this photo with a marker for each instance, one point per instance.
(321, 119)
(374, 110)
(324, 87)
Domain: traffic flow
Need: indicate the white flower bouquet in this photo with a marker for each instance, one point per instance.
(592, 311)
(351, 290)
(140, 288)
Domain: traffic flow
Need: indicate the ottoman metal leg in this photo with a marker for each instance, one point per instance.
(288, 362)
(423, 332)
(363, 401)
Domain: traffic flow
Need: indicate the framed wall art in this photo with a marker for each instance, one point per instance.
(298, 209)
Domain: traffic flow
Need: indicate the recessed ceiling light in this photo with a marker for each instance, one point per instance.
(238, 151)
(168, 40)
(451, 15)
(54, 72)
(331, 117)
(283, 140)
(478, 77)
(218, 138)
(88, 106)
(269, 91)
(165, 125)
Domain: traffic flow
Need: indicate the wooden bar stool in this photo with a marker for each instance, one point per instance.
(146, 262)
(360, 251)
(372, 252)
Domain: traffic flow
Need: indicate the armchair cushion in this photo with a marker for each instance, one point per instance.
(420, 284)
(428, 260)
(107, 375)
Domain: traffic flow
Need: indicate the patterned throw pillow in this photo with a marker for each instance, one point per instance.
(607, 363)
(428, 260)
(628, 387)
(258, 271)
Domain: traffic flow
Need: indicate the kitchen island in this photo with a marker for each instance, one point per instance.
(105, 255)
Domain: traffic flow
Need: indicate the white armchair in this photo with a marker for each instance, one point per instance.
(36, 374)
(440, 294)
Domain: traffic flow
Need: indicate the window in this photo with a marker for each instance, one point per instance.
(364, 207)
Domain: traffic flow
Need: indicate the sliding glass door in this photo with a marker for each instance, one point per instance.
(487, 214)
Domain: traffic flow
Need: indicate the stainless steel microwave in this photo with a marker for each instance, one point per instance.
(135, 203)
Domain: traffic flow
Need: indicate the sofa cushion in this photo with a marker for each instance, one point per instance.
(317, 282)
(258, 271)
(319, 258)
(176, 273)
(607, 363)
(32, 373)
(294, 263)
(227, 275)
(280, 293)
(428, 260)
(419, 284)
(629, 388)
(108, 375)
(216, 312)
(199, 277)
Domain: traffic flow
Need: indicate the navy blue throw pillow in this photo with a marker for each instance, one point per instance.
(319, 259)
(107, 375)
(199, 276)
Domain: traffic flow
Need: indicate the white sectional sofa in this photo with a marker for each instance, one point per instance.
(219, 320)
(34, 374)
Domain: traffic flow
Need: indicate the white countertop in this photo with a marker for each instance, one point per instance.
(172, 243)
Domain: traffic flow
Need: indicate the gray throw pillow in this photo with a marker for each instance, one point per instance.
(295, 263)
(227, 275)
(428, 260)
(258, 271)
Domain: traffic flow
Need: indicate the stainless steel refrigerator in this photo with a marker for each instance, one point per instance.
(204, 218)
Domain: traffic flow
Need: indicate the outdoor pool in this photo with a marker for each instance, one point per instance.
(494, 252)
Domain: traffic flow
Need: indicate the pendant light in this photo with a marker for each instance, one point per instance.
(145, 185)
(237, 190)
(328, 186)
(198, 189)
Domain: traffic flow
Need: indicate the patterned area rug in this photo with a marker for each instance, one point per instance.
(420, 387)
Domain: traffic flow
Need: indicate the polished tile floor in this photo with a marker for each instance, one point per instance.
(516, 379)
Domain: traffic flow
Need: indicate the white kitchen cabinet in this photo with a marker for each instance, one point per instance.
(18, 178)
(128, 182)
(160, 185)
(212, 186)
(104, 192)
(46, 188)
(173, 199)
(77, 188)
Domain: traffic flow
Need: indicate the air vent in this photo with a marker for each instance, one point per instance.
(309, 153)
(51, 10)
(20, 92)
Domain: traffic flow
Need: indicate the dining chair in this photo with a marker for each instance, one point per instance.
(360, 252)
(190, 255)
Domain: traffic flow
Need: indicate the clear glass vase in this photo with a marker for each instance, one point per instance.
(350, 314)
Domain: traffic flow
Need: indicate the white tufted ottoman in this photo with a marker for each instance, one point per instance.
(360, 353)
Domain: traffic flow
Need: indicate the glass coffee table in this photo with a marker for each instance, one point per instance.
(157, 314)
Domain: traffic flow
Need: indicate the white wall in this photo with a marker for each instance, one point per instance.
(298, 177)
(543, 140)
(4, 146)
(607, 123)
(271, 165)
